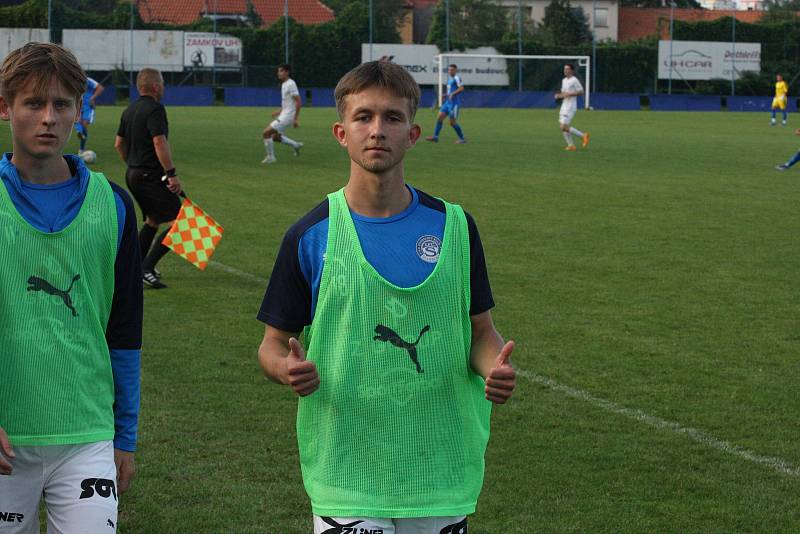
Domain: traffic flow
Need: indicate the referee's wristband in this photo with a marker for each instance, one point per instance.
(171, 173)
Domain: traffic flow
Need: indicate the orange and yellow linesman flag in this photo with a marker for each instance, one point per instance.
(193, 235)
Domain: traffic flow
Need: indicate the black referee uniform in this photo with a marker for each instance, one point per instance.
(140, 123)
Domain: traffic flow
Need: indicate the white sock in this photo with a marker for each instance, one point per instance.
(568, 138)
(290, 142)
(575, 131)
(269, 147)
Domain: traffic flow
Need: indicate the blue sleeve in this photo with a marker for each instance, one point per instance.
(124, 330)
(287, 303)
(125, 365)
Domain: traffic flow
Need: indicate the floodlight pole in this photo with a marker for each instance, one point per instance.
(50, 20)
(594, 45)
(370, 30)
(671, 26)
(214, 64)
(447, 25)
(733, 55)
(519, 44)
(130, 78)
(286, 30)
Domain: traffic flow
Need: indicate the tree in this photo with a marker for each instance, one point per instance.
(385, 16)
(564, 25)
(472, 23)
(252, 16)
(778, 11)
(94, 6)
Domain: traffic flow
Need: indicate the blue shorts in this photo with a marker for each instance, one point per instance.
(450, 109)
(87, 114)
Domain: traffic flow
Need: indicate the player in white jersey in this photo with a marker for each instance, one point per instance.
(571, 89)
(287, 115)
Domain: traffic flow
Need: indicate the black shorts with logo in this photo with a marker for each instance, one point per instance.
(152, 195)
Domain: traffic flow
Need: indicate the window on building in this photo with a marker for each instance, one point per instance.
(601, 17)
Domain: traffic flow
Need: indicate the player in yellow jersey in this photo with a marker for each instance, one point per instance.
(779, 102)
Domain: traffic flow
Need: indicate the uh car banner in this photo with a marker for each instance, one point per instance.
(704, 60)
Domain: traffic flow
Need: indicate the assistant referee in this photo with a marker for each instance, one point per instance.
(143, 146)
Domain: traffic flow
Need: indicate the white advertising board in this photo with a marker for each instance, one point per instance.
(111, 49)
(205, 50)
(420, 62)
(701, 60)
(13, 38)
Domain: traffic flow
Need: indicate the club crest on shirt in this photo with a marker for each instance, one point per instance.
(428, 248)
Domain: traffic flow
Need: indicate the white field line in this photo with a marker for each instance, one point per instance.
(778, 464)
(237, 272)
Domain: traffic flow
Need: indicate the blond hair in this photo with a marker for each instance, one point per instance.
(378, 74)
(39, 63)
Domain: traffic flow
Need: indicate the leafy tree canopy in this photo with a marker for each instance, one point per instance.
(472, 23)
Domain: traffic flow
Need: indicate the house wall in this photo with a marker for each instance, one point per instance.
(606, 9)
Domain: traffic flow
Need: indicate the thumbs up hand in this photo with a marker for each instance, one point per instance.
(502, 378)
(301, 374)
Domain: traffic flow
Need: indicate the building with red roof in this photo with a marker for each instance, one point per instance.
(180, 12)
(637, 23)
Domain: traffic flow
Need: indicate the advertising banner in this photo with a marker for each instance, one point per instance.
(111, 49)
(420, 62)
(13, 38)
(206, 50)
(704, 60)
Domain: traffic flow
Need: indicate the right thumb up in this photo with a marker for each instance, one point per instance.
(296, 350)
(302, 375)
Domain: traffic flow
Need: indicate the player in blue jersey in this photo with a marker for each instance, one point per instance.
(69, 400)
(93, 90)
(450, 106)
(791, 162)
(380, 232)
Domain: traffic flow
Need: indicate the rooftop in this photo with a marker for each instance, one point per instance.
(180, 12)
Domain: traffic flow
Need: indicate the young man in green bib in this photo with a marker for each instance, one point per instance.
(401, 360)
(70, 311)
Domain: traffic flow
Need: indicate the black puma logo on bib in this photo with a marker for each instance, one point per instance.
(40, 284)
(387, 334)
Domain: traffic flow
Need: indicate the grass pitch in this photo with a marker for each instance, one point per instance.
(651, 283)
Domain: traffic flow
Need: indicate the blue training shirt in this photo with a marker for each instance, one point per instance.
(403, 248)
(51, 208)
(453, 83)
(91, 85)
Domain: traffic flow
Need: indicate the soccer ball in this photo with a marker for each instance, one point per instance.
(88, 156)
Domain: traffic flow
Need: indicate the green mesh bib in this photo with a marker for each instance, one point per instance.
(399, 425)
(55, 299)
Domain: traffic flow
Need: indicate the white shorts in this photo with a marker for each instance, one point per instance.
(375, 525)
(280, 125)
(566, 118)
(78, 483)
